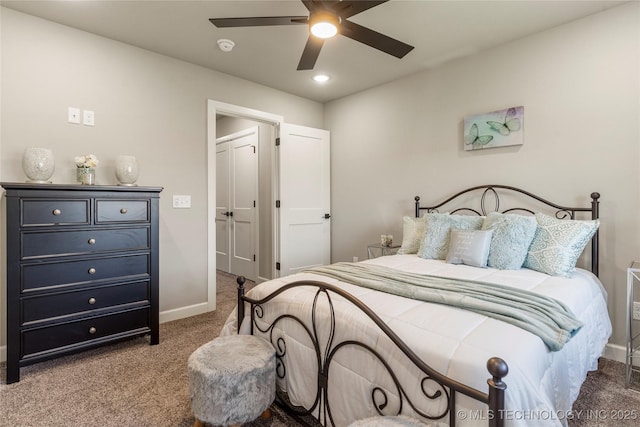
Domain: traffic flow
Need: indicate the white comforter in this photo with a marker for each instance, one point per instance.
(542, 385)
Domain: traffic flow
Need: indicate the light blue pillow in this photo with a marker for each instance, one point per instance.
(435, 242)
(512, 236)
(558, 243)
(412, 232)
(470, 247)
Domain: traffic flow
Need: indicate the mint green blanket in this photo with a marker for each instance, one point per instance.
(543, 316)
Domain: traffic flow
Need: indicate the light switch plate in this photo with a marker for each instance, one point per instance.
(181, 201)
(74, 115)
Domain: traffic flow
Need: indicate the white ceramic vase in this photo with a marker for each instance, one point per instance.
(127, 171)
(38, 164)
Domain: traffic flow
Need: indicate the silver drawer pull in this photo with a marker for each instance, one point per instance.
(92, 270)
(92, 330)
(92, 300)
(92, 241)
(123, 211)
(56, 212)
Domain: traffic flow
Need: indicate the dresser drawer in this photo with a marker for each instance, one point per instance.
(54, 212)
(55, 243)
(97, 328)
(37, 276)
(76, 302)
(122, 211)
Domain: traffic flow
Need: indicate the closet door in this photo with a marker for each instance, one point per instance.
(222, 207)
(236, 201)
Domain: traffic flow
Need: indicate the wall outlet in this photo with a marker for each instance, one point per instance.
(88, 118)
(355, 259)
(636, 310)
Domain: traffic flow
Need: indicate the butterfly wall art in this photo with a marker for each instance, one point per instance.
(495, 129)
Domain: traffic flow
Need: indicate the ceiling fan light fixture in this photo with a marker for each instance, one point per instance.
(324, 25)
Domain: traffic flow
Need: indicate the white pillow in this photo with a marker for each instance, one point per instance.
(435, 242)
(558, 243)
(470, 247)
(412, 231)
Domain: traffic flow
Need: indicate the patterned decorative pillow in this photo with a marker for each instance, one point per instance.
(470, 247)
(558, 243)
(512, 236)
(435, 242)
(412, 231)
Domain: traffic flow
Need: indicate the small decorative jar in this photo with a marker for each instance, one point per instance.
(127, 171)
(86, 176)
(38, 165)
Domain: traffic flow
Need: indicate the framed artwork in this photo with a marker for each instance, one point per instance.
(495, 129)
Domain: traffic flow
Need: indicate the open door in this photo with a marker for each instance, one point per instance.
(304, 199)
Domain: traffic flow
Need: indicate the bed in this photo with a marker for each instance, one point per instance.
(348, 349)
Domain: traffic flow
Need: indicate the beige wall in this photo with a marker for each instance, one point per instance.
(579, 84)
(145, 104)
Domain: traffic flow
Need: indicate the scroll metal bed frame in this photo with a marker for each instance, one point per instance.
(447, 388)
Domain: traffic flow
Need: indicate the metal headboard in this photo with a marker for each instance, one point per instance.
(490, 193)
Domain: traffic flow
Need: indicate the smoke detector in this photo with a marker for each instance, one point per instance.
(226, 45)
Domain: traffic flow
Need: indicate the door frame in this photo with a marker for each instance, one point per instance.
(214, 108)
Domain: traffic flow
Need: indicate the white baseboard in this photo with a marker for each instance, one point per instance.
(617, 353)
(182, 312)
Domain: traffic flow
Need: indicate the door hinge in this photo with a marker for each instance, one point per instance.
(277, 203)
(254, 203)
(278, 266)
(277, 141)
(254, 257)
(254, 149)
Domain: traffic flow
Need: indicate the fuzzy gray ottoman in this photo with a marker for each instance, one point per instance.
(232, 380)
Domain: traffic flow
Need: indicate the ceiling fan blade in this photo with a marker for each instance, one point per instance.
(259, 21)
(374, 39)
(310, 53)
(308, 4)
(347, 8)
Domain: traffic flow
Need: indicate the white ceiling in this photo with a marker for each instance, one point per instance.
(439, 30)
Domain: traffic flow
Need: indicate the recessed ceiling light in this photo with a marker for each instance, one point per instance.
(321, 78)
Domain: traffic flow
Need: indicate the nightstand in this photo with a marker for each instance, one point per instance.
(376, 250)
(633, 337)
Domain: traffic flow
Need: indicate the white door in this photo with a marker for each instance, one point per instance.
(222, 206)
(237, 181)
(304, 196)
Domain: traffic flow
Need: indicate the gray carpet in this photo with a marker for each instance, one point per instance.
(134, 384)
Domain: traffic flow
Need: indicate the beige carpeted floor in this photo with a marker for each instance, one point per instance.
(134, 384)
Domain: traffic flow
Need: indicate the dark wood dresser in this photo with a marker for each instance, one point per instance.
(82, 268)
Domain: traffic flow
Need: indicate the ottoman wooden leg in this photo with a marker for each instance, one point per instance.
(266, 415)
(198, 423)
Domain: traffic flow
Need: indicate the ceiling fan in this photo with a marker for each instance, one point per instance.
(330, 16)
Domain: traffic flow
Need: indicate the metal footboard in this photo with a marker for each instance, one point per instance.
(434, 385)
